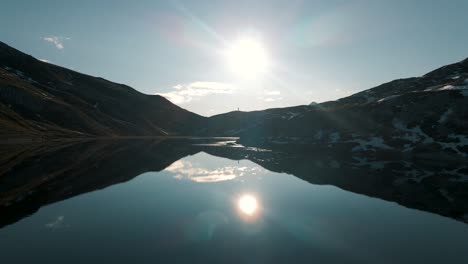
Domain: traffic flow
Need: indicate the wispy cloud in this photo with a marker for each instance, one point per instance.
(271, 99)
(44, 60)
(271, 96)
(275, 92)
(184, 93)
(56, 40)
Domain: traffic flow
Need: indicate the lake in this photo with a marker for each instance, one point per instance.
(167, 201)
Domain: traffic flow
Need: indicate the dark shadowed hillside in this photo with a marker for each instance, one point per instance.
(424, 115)
(42, 99)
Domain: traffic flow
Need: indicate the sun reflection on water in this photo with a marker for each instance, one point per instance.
(248, 205)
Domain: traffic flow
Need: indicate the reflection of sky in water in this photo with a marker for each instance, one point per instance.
(175, 216)
(59, 222)
(199, 172)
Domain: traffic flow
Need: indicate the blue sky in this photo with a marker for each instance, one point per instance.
(317, 50)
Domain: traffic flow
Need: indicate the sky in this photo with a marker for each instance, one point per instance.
(315, 50)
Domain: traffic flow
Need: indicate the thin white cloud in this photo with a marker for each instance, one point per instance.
(275, 92)
(270, 99)
(271, 96)
(44, 60)
(56, 40)
(184, 93)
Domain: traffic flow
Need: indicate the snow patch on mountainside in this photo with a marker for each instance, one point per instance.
(462, 88)
(456, 175)
(388, 98)
(433, 88)
(452, 87)
(462, 142)
(412, 175)
(372, 143)
(445, 115)
(318, 135)
(446, 195)
(290, 115)
(335, 137)
(414, 134)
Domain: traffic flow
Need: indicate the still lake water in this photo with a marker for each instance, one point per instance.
(208, 209)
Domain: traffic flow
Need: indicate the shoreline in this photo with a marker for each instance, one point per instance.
(38, 140)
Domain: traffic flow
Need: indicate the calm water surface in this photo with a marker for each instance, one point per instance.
(207, 209)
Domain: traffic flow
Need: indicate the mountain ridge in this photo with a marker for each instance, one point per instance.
(425, 115)
(39, 98)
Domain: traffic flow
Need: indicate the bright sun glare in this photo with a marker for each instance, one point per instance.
(248, 204)
(248, 57)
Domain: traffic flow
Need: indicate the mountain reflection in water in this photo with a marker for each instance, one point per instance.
(247, 184)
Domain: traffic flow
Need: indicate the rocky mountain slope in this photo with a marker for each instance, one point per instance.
(426, 115)
(42, 99)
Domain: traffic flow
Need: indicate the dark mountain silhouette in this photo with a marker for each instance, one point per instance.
(39, 99)
(423, 116)
(34, 176)
(373, 143)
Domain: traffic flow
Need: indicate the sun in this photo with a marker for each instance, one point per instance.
(248, 57)
(248, 204)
